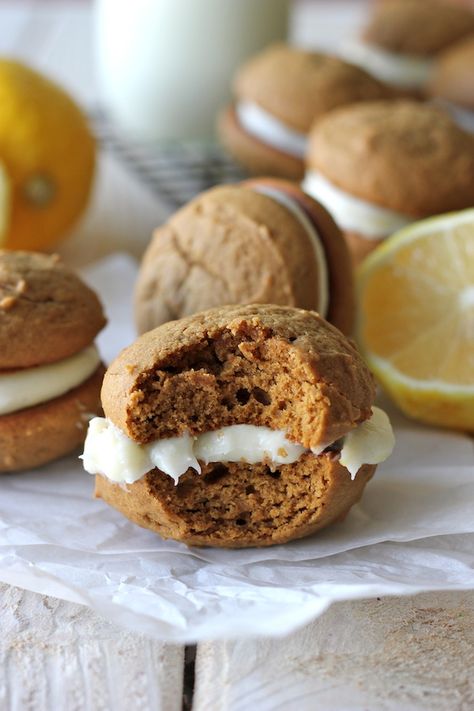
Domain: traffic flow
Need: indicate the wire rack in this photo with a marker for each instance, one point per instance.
(175, 171)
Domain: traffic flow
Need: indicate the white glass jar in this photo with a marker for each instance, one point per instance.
(165, 66)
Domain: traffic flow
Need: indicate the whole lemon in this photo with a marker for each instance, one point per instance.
(47, 156)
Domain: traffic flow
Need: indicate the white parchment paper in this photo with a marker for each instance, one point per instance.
(412, 531)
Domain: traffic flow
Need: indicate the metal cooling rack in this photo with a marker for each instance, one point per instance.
(175, 171)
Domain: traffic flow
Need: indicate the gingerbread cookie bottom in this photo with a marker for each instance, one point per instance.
(237, 505)
(36, 435)
(360, 246)
(257, 157)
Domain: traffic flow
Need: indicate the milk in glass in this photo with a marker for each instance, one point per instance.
(165, 66)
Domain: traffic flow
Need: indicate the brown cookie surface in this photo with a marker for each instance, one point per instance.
(254, 155)
(417, 27)
(341, 307)
(268, 365)
(46, 312)
(36, 435)
(403, 155)
(453, 76)
(360, 246)
(234, 244)
(237, 505)
(297, 86)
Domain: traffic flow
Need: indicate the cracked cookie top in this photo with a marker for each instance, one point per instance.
(46, 312)
(240, 244)
(275, 366)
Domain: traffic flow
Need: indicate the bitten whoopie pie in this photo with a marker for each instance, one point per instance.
(403, 37)
(380, 165)
(239, 426)
(452, 82)
(50, 369)
(278, 94)
(263, 241)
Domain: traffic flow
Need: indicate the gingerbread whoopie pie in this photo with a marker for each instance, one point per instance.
(452, 82)
(262, 240)
(239, 426)
(278, 94)
(50, 369)
(378, 166)
(403, 37)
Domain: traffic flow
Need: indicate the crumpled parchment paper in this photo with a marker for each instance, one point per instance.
(412, 531)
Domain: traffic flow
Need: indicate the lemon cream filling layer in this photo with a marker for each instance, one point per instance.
(352, 213)
(270, 130)
(407, 71)
(109, 452)
(320, 256)
(33, 386)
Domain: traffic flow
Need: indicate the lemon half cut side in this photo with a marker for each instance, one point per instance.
(416, 318)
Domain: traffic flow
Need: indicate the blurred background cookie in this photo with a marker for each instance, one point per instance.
(378, 166)
(278, 94)
(259, 241)
(238, 426)
(50, 369)
(452, 82)
(403, 37)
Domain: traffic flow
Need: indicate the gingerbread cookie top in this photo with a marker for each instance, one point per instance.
(403, 155)
(46, 312)
(260, 241)
(297, 86)
(275, 366)
(417, 27)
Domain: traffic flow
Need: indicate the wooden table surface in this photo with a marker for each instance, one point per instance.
(403, 654)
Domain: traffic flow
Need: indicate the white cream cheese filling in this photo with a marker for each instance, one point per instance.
(32, 386)
(462, 116)
(405, 71)
(370, 443)
(352, 213)
(307, 224)
(109, 452)
(270, 130)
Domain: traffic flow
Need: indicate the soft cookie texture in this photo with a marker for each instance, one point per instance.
(47, 314)
(36, 435)
(415, 159)
(272, 366)
(402, 155)
(295, 87)
(234, 244)
(453, 77)
(417, 27)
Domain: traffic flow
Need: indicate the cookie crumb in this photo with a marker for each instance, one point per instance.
(8, 302)
(21, 286)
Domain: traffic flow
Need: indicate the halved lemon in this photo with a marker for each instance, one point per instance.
(47, 152)
(416, 318)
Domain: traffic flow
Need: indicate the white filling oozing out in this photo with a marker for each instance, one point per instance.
(32, 386)
(270, 130)
(350, 212)
(405, 71)
(108, 451)
(302, 217)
